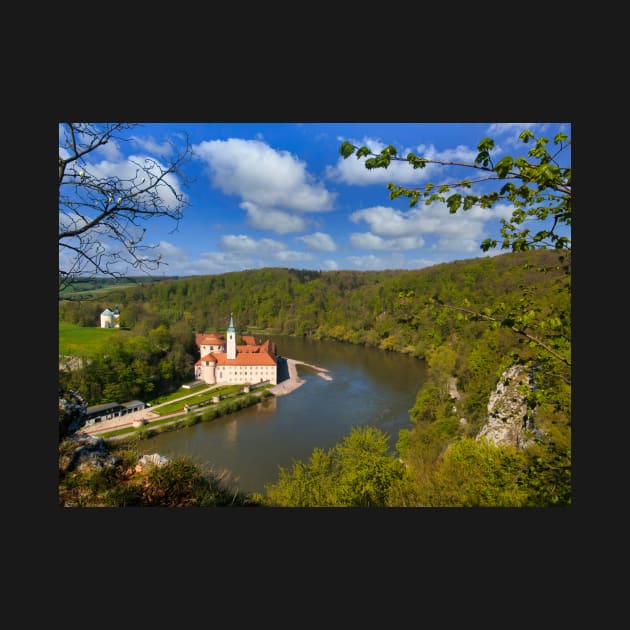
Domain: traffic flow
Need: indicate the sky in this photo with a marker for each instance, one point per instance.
(276, 194)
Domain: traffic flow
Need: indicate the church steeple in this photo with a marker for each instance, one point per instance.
(231, 339)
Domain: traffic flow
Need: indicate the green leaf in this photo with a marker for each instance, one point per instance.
(346, 149)
(485, 145)
(502, 167)
(454, 202)
(363, 151)
(415, 161)
(525, 135)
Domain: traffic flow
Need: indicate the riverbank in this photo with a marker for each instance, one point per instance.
(294, 381)
(147, 416)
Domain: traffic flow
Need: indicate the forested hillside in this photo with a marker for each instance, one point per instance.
(385, 309)
(469, 319)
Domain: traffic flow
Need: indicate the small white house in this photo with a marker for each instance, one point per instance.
(110, 319)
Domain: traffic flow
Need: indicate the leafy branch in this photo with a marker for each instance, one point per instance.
(512, 323)
(538, 188)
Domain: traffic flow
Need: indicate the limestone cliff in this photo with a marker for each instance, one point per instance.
(508, 421)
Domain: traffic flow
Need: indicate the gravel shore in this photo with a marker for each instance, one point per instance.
(294, 381)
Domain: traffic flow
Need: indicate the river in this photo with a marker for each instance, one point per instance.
(368, 387)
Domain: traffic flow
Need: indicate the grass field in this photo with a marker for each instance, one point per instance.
(86, 342)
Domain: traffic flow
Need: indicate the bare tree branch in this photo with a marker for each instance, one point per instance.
(101, 212)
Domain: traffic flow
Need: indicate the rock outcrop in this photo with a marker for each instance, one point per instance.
(82, 452)
(508, 421)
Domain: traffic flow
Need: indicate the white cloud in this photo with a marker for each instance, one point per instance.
(386, 221)
(259, 174)
(239, 252)
(398, 230)
(511, 132)
(497, 129)
(292, 256)
(393, 261)
(265, 249)
(329, 265)
(172, 252)
(367, 240)
(153, 147)
(319, 242)
(110, 151)
(275, 220)
(246, 244)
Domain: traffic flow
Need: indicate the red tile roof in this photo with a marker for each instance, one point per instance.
(249, 354)
(209, 339)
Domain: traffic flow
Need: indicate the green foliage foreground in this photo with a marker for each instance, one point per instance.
(358, 472)
(120, 482)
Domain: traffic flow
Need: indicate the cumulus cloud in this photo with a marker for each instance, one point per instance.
(387, 221)
(497, 129)
(151, 146)
(265, 248)
(319, 242)
(509, 132)
(246, 244)
(393, 261)
(398, 230)
(277, 221)
(262, 175)
(109, 151)
(292, 256)
(367, 240)
(329, 265)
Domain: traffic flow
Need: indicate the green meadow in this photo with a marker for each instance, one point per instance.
(80, 341)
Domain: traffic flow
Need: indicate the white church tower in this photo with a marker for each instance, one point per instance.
(231, 340)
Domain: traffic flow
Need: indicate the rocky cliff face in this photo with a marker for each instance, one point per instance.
(508, 422)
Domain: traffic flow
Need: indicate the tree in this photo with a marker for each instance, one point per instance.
(102, 205)
(358, 472)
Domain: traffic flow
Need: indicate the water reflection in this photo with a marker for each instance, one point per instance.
(369, 386)
(231, 431)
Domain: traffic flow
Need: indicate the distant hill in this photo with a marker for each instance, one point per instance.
(385, 309)
(91, 288)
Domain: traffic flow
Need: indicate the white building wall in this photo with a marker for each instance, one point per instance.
(240, 374)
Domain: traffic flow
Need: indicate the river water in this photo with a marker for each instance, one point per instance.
(368, 387)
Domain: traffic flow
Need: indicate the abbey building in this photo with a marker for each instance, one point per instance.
(223, 361)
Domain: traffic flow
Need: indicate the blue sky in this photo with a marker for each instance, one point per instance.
(280, 195)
